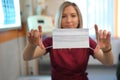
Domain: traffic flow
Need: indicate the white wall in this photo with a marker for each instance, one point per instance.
(11, 62)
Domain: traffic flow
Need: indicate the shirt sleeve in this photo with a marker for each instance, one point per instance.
(92, 46)
(47, 42)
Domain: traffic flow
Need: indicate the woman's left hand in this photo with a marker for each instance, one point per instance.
(103, 39)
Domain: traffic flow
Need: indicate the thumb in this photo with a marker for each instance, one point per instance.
(97, 48)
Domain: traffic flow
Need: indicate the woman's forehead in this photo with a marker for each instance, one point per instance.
(69, 8)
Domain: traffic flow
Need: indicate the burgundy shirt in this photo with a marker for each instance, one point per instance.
(69, 64)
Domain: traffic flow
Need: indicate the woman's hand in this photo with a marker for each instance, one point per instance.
(35, 37)
(103, 40)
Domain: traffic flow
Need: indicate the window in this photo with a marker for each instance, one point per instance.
(9, 11)
(98, 12)
(9, 14)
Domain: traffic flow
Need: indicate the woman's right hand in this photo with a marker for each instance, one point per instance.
(35, 37)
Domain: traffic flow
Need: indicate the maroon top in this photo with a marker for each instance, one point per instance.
(69, 64)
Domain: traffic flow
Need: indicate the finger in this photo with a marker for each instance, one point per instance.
(108, 37)
(104, 34)
(100, 34)
(28, 34)
(40, 30)
(32, 32)
(35, 34)
(96, 31)
(96, 50)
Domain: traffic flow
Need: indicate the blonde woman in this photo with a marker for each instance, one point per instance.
(69, 64)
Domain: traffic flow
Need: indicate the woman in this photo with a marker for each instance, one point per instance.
(69, 64)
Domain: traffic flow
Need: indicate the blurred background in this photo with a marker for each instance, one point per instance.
(20, 16)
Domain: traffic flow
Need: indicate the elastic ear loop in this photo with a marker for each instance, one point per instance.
(48, 47)
(91, 48)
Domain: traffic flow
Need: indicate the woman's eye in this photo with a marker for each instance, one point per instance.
(63, 16)
(73, 15)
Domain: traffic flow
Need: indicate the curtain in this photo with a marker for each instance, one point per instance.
(98, 12)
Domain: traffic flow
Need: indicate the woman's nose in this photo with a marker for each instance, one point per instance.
(69, 19)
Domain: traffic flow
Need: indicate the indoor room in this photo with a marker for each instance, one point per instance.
(19, 18)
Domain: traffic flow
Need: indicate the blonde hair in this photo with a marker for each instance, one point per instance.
(59, 14)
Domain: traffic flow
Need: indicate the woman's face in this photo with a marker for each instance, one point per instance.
(69, 18)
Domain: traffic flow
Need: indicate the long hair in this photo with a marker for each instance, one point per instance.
(60, 11)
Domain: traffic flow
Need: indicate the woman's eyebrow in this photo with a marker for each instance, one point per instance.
(73, 13)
